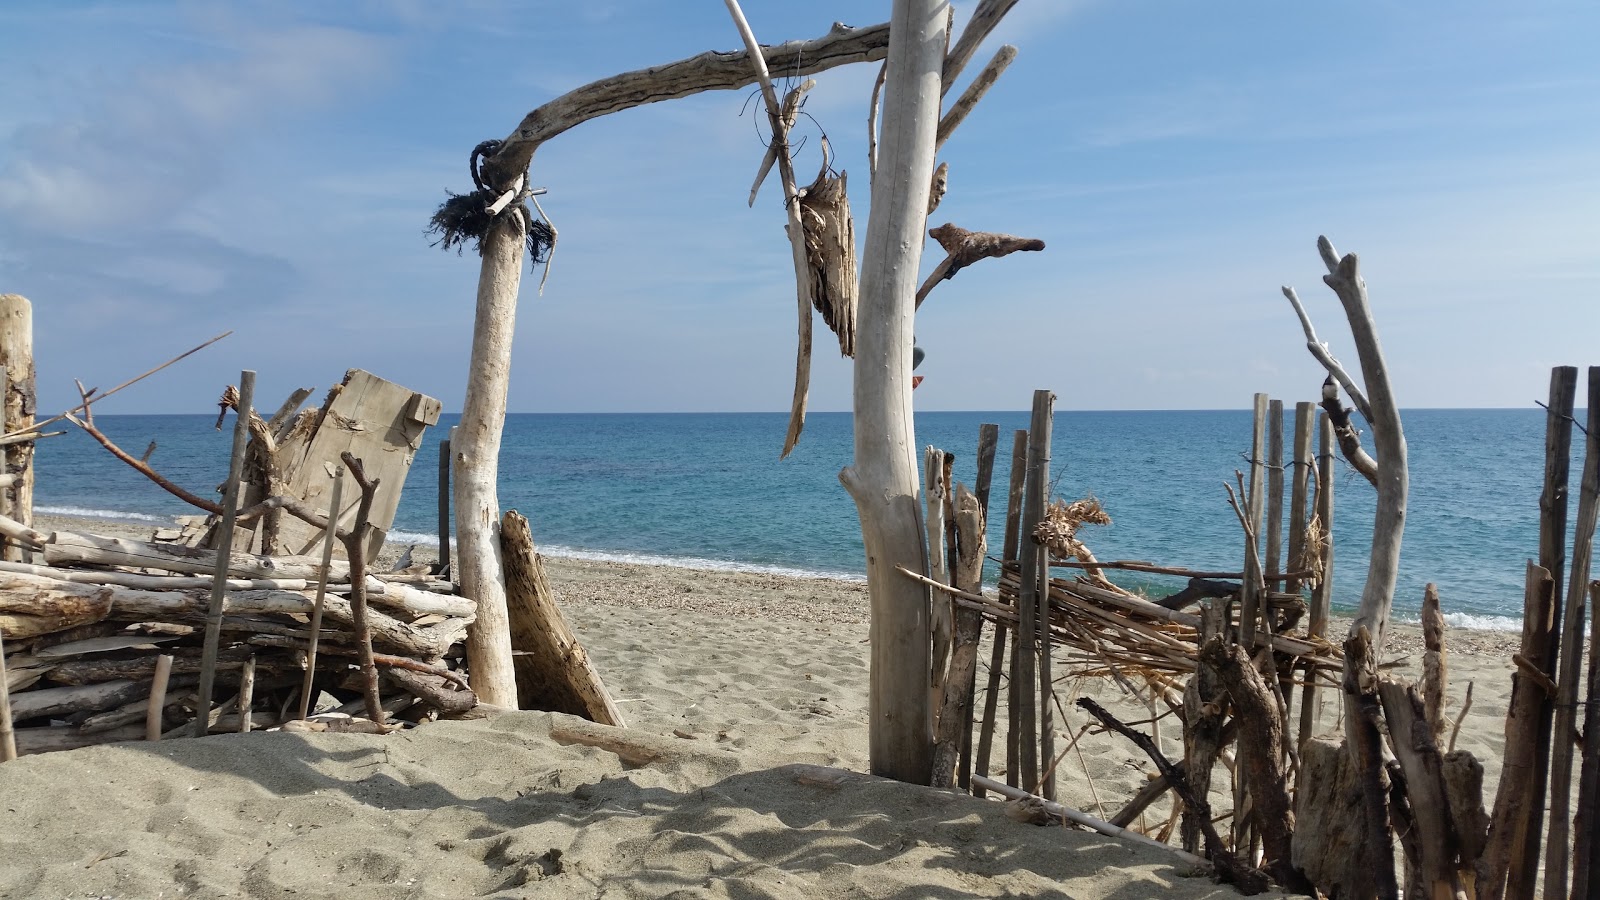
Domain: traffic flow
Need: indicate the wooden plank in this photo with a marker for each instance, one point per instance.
(382, 424)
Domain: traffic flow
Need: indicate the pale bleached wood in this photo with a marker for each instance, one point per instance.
(793, 226)
(791, 112)
(158, 697)
(975, 91)
(247, 694)
(883, 477)
(1389, 442)
(476, 445)
(1032, 594)
(355, 551)
(65, 737)
(1435, 666)
(19, 533)
(711, 71)
(66, 548)
(19, 401)
(554, 672)
(1413, 740)
(1585, 866)
(983, 22)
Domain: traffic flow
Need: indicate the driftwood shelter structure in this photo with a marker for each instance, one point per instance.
(119, 640)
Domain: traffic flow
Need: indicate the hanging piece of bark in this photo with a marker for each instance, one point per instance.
(830, 235)
(963, 248)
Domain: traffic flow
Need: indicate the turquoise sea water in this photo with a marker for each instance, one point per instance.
(709, 490)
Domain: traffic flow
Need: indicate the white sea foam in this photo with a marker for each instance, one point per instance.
(113, 514)
(1474, 622)
(646, 559)
(1483, 623)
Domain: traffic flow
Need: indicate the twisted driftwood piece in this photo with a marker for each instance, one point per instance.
(963, 248)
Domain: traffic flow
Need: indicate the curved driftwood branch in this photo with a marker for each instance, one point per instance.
(794, 226)
(963, 248)
(983, 22)
(1320, 352)
(1393, 481)
(790, 113)
(711, 71)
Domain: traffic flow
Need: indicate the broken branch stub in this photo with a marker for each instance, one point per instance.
(830, 235)
(963, 248)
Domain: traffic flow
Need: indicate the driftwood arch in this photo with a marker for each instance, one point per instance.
(921, 64)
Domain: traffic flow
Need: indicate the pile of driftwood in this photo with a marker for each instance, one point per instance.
(104, 641)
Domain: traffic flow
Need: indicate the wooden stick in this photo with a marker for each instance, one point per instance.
(1041, 431)
(963, 106)
(219, 587)
(942, 616)
(247, 693)
(1250, 517)
(1274, 525)
(988, 441)
(16, 531)
(983, 22)
(1088, 821)
(1585, 865)
(1322, 596)
(158, 697)
(955, 716)
(8, 738)
(1019, 459)
(1229, 867)
(795, 228)
(1028, 593)
(355, 550)
(444, 505)
(315, 631)
(1563, 387)
(1305, 421)
(129, 383)
(1133, 565)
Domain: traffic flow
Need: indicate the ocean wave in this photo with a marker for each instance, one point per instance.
(648, 559)
(694, 562)
(81, 512)
(1475, 622)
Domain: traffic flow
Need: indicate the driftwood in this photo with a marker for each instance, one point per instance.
(963, 248)
(355, 551)
(958, 685)
(68, 548)
(1229, 867)
(830, 243)
(553, 670)
(1411, 736)
(1068, 814)
(1502, 867)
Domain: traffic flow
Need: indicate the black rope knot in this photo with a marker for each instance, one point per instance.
(464, 218)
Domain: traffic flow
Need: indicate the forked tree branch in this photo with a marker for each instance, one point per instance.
(1320, 351)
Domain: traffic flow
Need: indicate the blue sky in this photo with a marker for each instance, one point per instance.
(169, 171)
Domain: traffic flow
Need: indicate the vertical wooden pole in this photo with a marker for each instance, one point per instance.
(444, 506)
(1585, 865)
(247, 694)
(219, 580)
(1305, 421)
(1571, 652)
(1019, 473)
(1028, 588)
(158, 698)
(1273, 544)
(475, 450)
(16, 354)
(942, 612)
(883, 477)
(1567, 644)
(988, 441)
(1524, 873)
(334, 515)
(1042, 433)
(1249, 600)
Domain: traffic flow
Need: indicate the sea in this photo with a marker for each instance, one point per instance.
(708, 490)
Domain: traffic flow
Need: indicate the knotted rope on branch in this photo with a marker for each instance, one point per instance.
(466, 218)
(963, 248)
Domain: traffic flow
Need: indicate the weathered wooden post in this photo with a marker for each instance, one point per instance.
(219, 580)
(883, 478)
(1566, 633)
(16, 354)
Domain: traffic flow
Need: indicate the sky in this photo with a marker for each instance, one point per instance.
(169, 171)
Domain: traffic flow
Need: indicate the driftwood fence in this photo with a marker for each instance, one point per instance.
(1247, 673)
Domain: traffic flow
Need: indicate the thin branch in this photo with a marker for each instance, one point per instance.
(144, 468)
(1345, 432)
(872, 122)
(983, 22)
(357, 555)
(969, 98)
(711, 71)
(963, 248)
(790, 112)
(82, 407)
(1320, 351)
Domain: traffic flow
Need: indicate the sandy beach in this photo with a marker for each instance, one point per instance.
(754, 680)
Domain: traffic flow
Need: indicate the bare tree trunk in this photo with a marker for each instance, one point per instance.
(476, 446)
(883, 478)
(16, 354)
